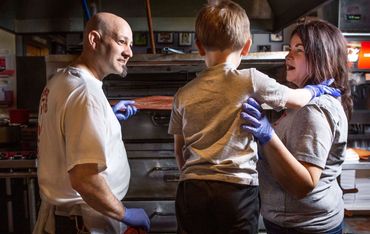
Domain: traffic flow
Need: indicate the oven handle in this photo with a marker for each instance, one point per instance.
(166, 178)
(160, 120)
(155, 169)
(171, 178)
(158, 213)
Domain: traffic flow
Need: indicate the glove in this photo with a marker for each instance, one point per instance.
(124, 109)
(323, 88)
(257, 123)
(136, 217)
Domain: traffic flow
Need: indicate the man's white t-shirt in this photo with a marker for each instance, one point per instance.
(77, 126)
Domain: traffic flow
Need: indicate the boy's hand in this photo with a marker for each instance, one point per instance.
(136, 217)
(323, 88)
(257, 123)
(124, 109)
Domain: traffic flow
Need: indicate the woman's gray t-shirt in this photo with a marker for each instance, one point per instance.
(315, 134)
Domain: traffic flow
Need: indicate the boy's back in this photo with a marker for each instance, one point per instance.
(217, 192)
(207, 113)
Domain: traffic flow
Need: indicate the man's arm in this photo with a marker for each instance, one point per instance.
(179, 144)
(94, 190)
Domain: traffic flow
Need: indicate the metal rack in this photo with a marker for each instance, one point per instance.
(24, 169)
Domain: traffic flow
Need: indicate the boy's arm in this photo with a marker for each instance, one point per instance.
(299, 97)
(179, 143)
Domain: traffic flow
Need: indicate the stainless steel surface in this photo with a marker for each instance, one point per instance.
(24, 163)
(168, 50)
(153, 179)
(147, 125)
(356, 165)
(154, 173)
(13, 175)
(147, 147)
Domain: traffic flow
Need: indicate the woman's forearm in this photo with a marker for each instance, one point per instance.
(296, 178)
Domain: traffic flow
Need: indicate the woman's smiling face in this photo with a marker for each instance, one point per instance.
(296, 63)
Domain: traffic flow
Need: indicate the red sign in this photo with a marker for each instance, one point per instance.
(364, 55)
(2, 63)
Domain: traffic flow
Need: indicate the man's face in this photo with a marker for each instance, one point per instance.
(116, 49)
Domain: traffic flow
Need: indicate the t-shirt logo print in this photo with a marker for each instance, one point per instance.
(44, 101)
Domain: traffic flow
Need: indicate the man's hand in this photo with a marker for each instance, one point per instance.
(136, 217)
(257, 123)
(323, 88)
(124, 109)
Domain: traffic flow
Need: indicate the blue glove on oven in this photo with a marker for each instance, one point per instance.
(124, 109)
(257, 123)
(323, 88)
(136, 217)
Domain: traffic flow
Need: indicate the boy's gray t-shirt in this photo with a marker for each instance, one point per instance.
(206, 111)
(315, 134)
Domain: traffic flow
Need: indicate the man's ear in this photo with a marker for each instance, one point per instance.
(200, 47)
(246, 47)
(94, 38)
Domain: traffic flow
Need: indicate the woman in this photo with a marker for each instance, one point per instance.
(302, 154)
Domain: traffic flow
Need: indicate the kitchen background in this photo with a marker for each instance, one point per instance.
(38, 36)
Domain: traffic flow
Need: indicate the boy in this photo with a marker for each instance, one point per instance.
(218, 190)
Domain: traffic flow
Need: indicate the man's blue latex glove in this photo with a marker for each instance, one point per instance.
(124, 109)
(136, 217)
(257, 123)
(323, 88)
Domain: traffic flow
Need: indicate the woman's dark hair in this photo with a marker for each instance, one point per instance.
(326, 53)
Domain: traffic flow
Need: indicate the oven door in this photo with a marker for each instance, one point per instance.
(154, 173)
(153, 184)
(147, 126)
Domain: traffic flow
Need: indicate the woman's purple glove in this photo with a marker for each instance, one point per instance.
(124, 109)
(323, 88)
(136, 217)
(257, 123)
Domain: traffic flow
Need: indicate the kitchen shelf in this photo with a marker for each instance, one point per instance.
(359, 136)
(360, 117)
(356, 165)
(359, 70)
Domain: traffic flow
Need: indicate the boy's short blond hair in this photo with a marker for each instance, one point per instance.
(220, 26)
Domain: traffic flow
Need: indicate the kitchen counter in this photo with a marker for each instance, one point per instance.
(356, 165)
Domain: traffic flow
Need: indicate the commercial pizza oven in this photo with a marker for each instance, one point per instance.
(154, 173)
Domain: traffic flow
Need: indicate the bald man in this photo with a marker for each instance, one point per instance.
(83, 168)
